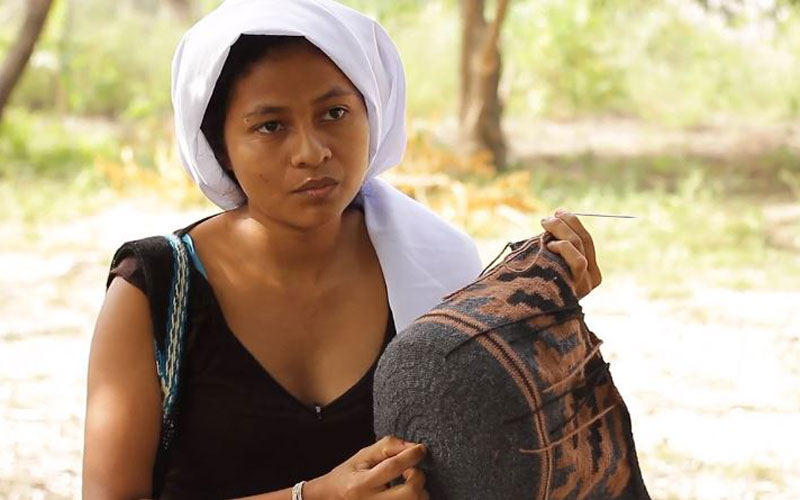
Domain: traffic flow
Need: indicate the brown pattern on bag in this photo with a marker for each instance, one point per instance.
(533, 289)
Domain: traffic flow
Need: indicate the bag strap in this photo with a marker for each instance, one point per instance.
(169, 353)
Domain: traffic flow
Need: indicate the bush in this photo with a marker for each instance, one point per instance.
(45, 145)
(101, 58)
(671, 63)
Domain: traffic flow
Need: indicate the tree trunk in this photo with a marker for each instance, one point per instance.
(185, 10)
(21, 51)
(481, 110)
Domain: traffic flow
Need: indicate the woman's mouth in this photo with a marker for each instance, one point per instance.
(318, 188)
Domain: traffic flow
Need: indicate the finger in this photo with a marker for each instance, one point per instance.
(414, 487)
(386, 447)
(576, 262)
(414, 478)
(562, 231)
(393, 467)
(588, 243)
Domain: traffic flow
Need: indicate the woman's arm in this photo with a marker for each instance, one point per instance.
(367, 474)
(123, 410)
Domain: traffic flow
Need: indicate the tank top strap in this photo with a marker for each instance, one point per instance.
(198, 264)
(184, 230)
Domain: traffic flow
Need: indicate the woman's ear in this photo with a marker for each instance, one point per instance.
(225, 162)
(229, 170)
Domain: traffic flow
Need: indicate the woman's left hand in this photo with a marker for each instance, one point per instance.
(574, 244)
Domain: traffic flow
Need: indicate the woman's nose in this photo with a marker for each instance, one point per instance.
(309, 149)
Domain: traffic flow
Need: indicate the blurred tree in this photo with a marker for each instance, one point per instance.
(21, 51)
(732, 9)
(186, 10)
(480, 110)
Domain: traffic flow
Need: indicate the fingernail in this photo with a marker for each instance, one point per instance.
(560, 211)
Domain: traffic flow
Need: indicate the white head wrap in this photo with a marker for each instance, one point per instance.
(423, 258)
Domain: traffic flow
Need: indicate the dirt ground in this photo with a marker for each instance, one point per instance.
(712, 382)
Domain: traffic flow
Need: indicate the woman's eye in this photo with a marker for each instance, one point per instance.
(336, 113)
(269, 127)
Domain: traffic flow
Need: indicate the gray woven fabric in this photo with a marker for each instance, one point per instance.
(506, 386)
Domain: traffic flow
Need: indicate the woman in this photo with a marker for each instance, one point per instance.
(285, 112)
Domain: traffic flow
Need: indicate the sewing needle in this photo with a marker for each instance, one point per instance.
(605, 215)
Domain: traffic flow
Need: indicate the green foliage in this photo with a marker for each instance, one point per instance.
(564, 57)
(694, 221)
(388, 12)
(102, 58)
(690, 74)
(650, 60)
(34, 145)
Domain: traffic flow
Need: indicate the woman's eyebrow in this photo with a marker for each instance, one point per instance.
(335, 91)
(263, 109)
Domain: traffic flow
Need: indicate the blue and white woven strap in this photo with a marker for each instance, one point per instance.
(168, 359)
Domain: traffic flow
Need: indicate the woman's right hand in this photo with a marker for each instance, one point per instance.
(367, 474)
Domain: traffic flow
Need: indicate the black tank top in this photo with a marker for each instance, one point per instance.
(239, 431)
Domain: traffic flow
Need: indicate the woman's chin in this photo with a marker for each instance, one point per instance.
(317, 216)
(306, 210)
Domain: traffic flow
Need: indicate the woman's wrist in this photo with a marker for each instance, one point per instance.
(315, 489)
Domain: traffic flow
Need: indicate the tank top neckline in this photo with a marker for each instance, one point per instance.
(229, 334)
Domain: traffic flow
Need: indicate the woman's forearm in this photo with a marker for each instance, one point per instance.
(312, 490)
(272, 495)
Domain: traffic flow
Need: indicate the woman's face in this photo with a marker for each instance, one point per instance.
(294, 117)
